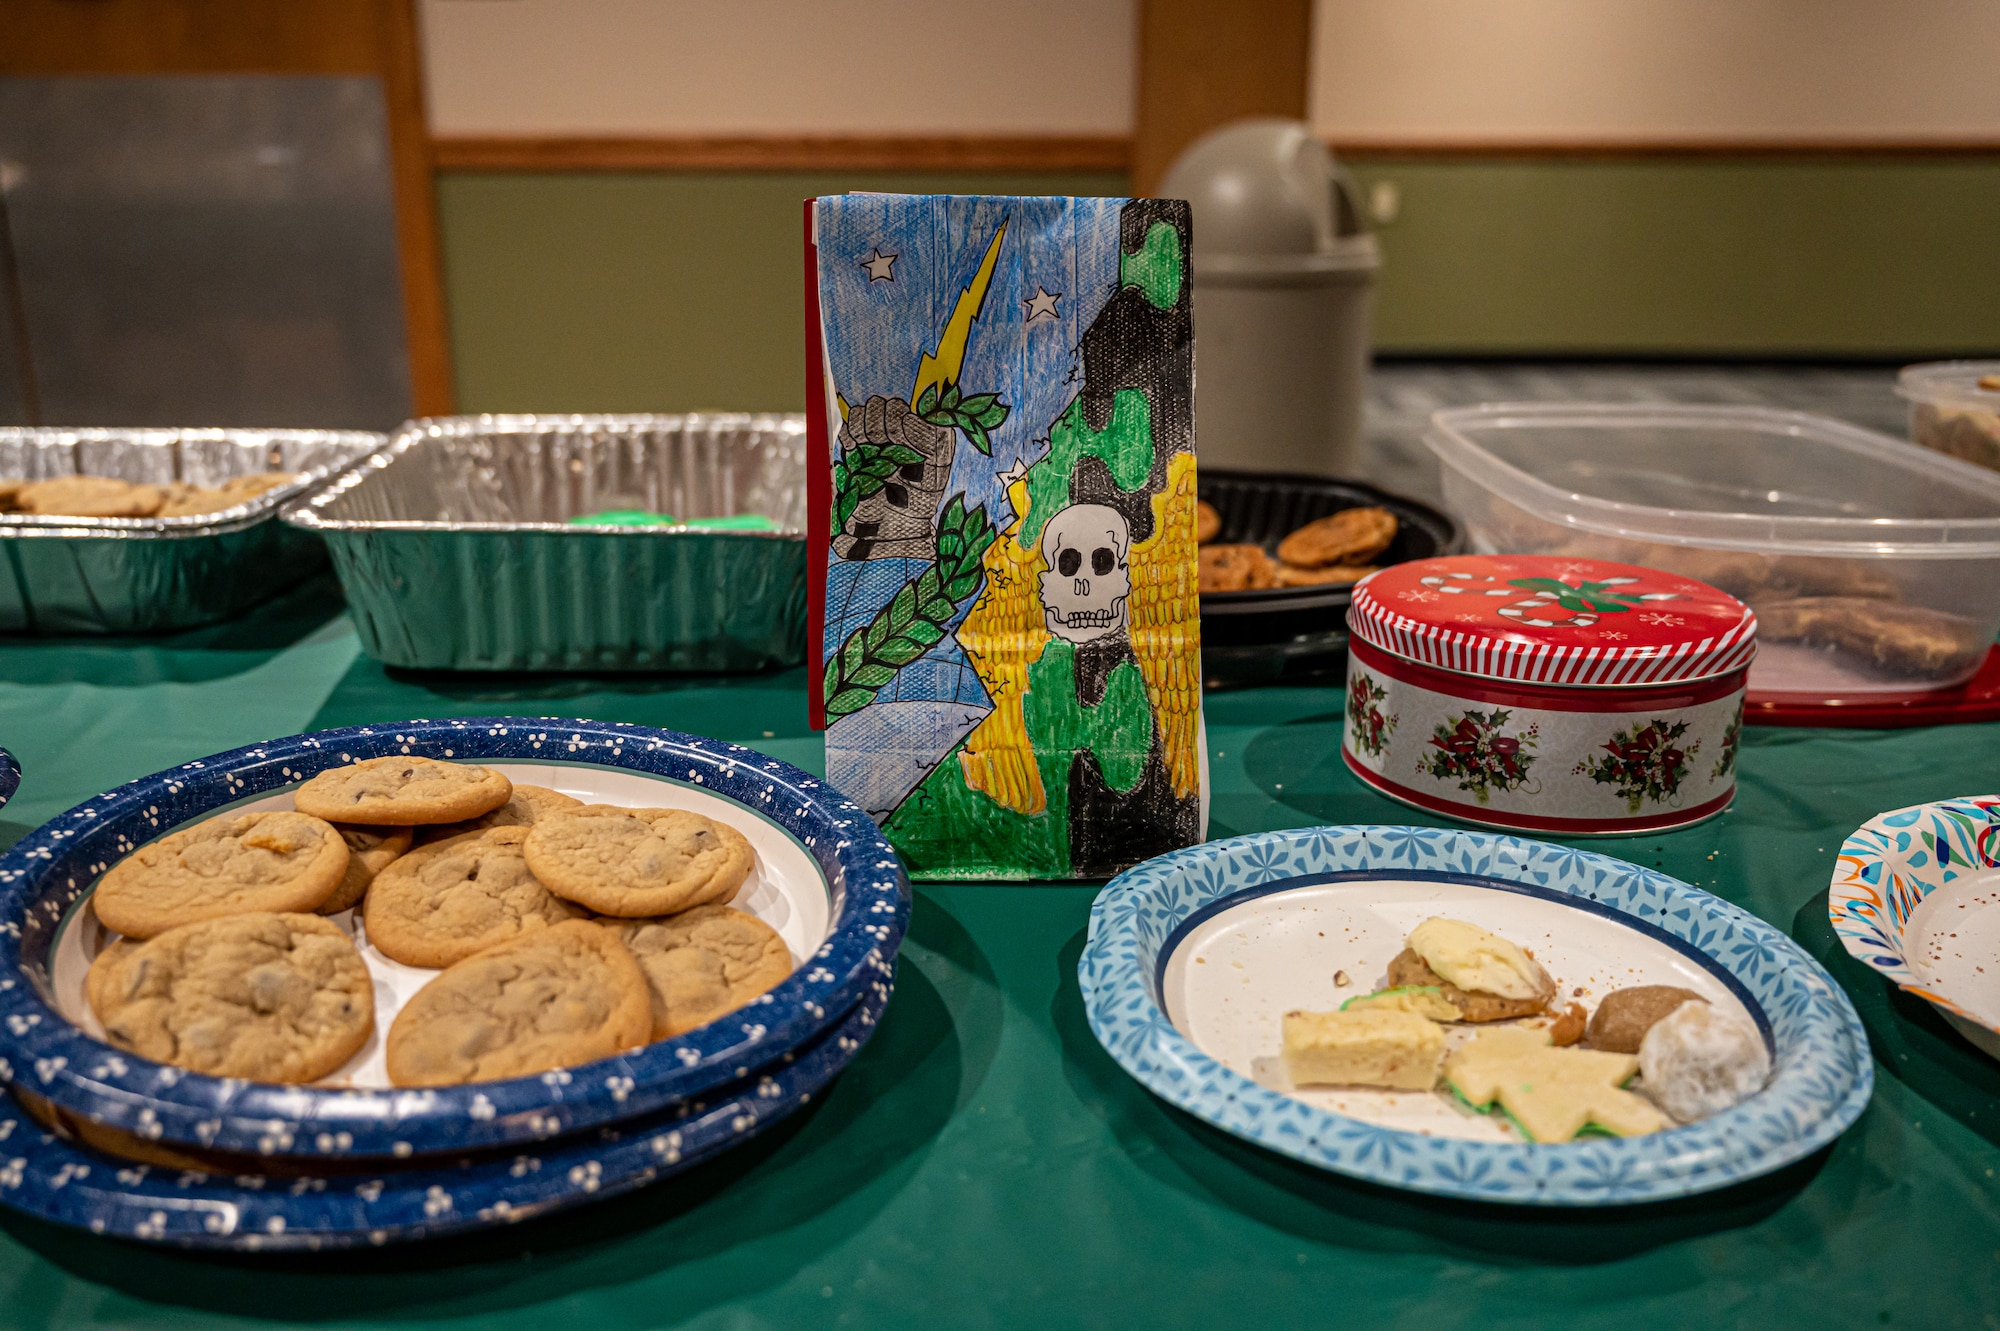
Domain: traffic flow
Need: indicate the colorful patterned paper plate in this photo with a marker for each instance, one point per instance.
(1293, 907)
(57, 1180)
(862, 909)
(1916, 895)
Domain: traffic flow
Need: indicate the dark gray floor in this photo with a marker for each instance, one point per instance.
(1402, 396)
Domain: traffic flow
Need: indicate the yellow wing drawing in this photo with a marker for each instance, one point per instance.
(1166, 623)
(1003, 634)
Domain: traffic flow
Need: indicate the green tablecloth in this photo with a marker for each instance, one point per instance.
(983, 1163)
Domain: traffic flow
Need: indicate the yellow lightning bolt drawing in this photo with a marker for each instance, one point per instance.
(941, 367)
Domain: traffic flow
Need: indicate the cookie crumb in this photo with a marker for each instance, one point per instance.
(1340, 980)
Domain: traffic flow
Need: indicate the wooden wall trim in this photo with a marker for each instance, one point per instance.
(804, 152)
(1707, 148)
(426, 322)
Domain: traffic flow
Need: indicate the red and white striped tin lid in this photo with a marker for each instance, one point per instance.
(1547, 619)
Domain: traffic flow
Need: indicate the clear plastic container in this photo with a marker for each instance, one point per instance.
(1874, 567)
(1955, 408)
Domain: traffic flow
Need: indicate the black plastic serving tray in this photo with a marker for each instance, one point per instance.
(1288, 634)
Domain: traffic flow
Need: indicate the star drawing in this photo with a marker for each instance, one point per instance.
(1041, 305)
(878, 265)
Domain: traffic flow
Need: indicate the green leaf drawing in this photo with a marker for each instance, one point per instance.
(1595, 596)
(915, 618)
(976, 416)
(862, 470)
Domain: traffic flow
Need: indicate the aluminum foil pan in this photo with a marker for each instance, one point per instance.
(455, 551)
(143, 575)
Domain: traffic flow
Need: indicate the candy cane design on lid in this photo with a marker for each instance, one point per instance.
(1548, 694)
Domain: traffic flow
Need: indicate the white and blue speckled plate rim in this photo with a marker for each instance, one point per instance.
(1822, 1082)
(86, 1076)
(1877, 942)
(58, 1181)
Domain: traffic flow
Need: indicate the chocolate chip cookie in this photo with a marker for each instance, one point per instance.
(1338, 576)
(1351, 536)
(274, 861)
(553, 998)
(262, 996)
(526, 805)
(638, 862)
(401, 791)
(370, 850)
(703, 963)
(443, 902)
(1234, 568)
(1207, 522)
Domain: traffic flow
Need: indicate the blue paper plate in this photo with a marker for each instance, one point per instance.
(56, 1180)
(1822, 1071)
(10, 776)
(50, 870)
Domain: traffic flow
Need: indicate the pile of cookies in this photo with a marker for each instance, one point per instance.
(563, 932)
(109, 497)
(1649, 1056)
(1331, 551)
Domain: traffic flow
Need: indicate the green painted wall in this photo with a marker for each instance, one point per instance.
(1885, 257)
(655, 292)
(634, 292)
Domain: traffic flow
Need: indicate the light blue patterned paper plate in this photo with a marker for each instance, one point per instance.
(68, 1184)
(48, 872)
(1822, 1074)
(1894, 863)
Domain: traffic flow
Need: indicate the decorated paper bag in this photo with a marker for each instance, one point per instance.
(1010, 666)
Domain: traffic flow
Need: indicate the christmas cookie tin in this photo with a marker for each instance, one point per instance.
(1571, 696)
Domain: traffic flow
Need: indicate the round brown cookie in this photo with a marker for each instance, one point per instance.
(1351, 536)
(703, 963)
(370, 850)
(90, 497)
(443, 902)
(401, 791)
(1409, 968)
(1207, 522)
(1234, 568)
(93, 980)
(262, 996)
(1621, 1021)
(1322, 577)
(527, 805)
(638, 862)
(272, 861)
(553, 998)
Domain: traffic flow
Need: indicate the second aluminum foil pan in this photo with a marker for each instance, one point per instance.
(147, 575)
(456, 553)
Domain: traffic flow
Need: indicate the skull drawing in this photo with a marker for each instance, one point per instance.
(1088, 580)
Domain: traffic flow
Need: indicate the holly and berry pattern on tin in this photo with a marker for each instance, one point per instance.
(1474, 750)
(1644, 763)
(1370, 729)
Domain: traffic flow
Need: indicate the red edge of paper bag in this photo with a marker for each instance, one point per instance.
(819, 488)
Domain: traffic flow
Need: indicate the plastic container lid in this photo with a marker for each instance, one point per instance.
(1952, 381)
(1736, 478)
(1542, 619)
(1269, 201)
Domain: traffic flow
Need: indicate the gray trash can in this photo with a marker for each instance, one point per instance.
(1284, 294)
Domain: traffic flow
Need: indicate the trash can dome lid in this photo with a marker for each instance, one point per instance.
(1265, 187)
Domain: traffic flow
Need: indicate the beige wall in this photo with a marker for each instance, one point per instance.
(640, 67)
(1570, 70)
